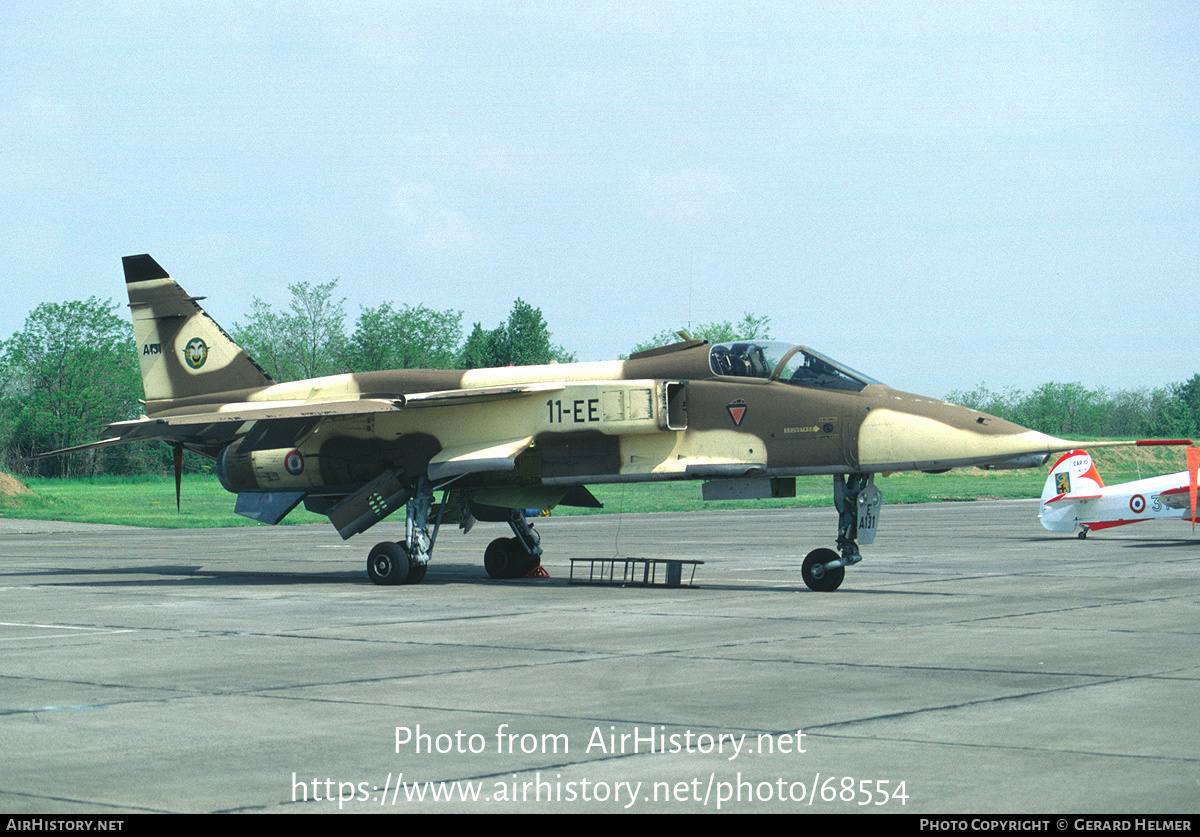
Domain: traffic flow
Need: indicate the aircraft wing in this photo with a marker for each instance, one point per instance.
(1176, 498)
(475, 395)
(280, 424)
(238, 419)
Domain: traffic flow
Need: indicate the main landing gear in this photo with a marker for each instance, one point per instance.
(405, 563)
(517, 556)
(857, 501)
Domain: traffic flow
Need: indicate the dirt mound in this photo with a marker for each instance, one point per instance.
(10, 486)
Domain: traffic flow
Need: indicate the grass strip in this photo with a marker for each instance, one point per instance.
(149, 500)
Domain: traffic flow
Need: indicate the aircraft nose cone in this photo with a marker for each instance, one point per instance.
(938, 435)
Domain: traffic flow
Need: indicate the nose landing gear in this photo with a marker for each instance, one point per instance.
(823, 570)
(857, 501)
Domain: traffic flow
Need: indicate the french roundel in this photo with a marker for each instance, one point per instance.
(1137, 504)
(294, 463)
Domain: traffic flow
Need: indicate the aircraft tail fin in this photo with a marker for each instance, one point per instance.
(182, 351)
(1074, 477)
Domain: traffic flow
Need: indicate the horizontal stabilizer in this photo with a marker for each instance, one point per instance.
(102, 443)
(1072, 498)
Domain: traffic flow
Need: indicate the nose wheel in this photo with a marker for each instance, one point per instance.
(817, 572)
(857, 501)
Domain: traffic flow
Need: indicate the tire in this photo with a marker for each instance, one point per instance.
(529, 562)
(816, 576)
(388, 564)
(497, 558)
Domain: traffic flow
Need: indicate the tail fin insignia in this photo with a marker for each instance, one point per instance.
(182, 350)
(1074, 477)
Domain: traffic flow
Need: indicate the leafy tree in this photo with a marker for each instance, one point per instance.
(409, 337)
(749, 327)
(1179, 415)
(1130, 412)
(481, 349)
(306, 341)
(521, 341)
(526, 338)
(1073, 409)
(986, 401)
(1059, 409)
(72, 369)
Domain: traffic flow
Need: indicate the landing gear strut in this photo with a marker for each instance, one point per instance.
(517, 556)
(405, 563)
(857, 501)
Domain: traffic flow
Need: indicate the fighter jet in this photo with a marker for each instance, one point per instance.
(745, 417)
(1076, 496)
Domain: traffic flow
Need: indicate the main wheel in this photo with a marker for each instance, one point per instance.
(816, 576)
(495, 558)
(529, 562)
(388, 563)
(505, 559)
(416, 573)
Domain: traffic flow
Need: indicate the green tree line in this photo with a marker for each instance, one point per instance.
(309, 338)
(73, 368)
(1073, 410)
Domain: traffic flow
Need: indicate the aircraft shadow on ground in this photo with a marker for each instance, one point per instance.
(192, 575)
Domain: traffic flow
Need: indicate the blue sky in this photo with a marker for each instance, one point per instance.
(938, 194)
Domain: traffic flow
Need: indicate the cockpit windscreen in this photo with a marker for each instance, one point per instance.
(790, 364)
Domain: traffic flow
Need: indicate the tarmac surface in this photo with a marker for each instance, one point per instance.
(973, 663)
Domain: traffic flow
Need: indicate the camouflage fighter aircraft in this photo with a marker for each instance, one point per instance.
(745, 417)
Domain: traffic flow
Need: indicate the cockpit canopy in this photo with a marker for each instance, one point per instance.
(784, 362)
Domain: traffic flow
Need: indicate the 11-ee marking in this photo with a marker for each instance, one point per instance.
(579, 411)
